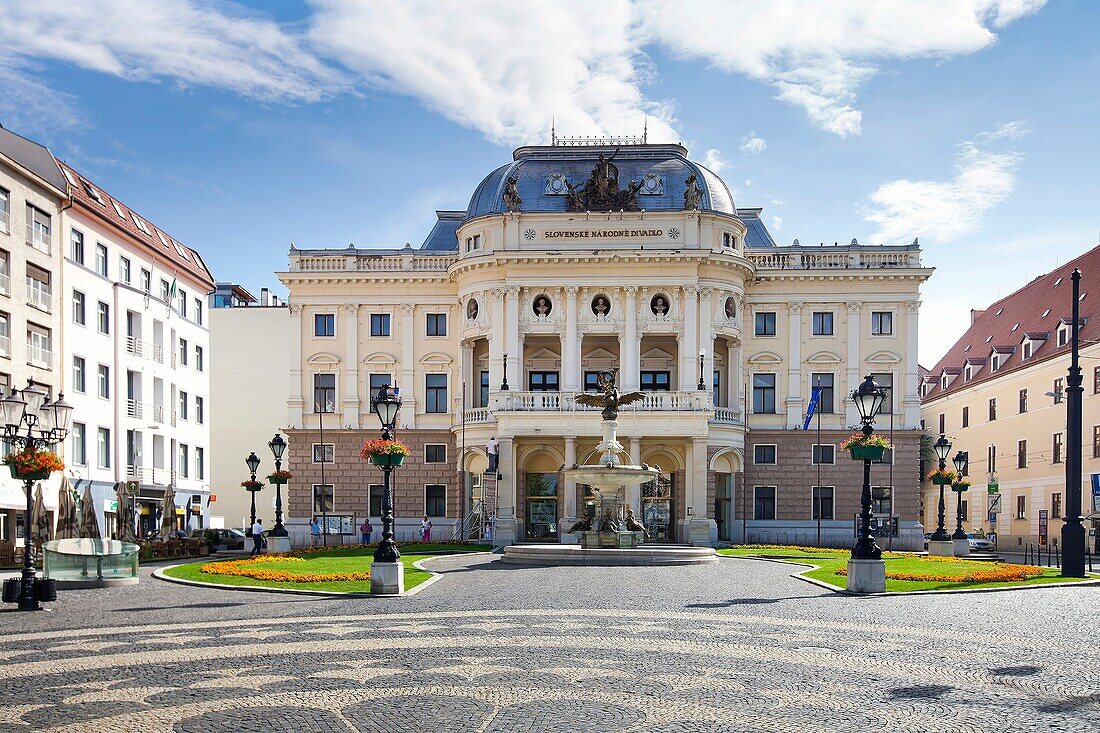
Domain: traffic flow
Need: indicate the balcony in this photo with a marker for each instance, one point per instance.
(146, 475)
(517, 401)
(39, 295)
(144, 349)
(145, 411)
(852, 257)
(365, 261)
(38, 238)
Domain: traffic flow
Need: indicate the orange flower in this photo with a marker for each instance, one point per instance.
(34, 461)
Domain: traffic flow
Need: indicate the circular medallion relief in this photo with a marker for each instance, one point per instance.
(601, 305)
(658, 304)
(528, 234)
(472, 310)
(731, 308)
(542, 306)
(673, 233)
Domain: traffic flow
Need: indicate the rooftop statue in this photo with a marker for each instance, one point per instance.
(693, 195)
(511, 198)
(601, 191)
(608, 396)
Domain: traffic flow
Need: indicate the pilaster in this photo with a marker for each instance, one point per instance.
(706, 338)
(912, 388)
(408, 367)
(295, 403)
(570, 348)
(851, 416)
(631, 346)
(689, 342)
(350, 400)
(794, 366)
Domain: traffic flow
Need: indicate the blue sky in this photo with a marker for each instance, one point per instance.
(967, 123)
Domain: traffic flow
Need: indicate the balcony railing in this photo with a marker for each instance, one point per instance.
(146, 475)
(39, 356)
(145, 411)
(5, 283)
(39, 295)
(144, 349)
(5, 345)
(4, 221)
(517, 401)
(38, 239)
(368, 262)
(833, 258)
(726, 415)
(478, 415)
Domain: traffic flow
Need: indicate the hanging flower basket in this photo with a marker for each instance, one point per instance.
(384, 452)
(962, 485)
(866, 447)
(942, 477)
(279, 477)
(35, 465)
(252, 485)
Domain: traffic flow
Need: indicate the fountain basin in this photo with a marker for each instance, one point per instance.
(576, 555)
(611, 476)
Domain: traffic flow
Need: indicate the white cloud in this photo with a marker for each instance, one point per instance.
(713, 159)
(777, 223)
(944, 210)
(1007, 131)
(752, 144)
(748, 182)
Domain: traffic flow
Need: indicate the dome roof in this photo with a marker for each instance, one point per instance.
(663, 170)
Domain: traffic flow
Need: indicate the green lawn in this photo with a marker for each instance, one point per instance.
(336, 560)
(831, 560)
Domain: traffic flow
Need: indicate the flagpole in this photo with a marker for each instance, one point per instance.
(819, 457)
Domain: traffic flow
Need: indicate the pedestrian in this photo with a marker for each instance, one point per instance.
(365, 531)
(491, 449)
(314, 532)
(257, 536)
(425, 530)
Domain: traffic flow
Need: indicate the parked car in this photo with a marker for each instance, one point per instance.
(980, 544)
(231, 539)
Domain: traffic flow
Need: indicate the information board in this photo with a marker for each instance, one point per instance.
(1042, 526)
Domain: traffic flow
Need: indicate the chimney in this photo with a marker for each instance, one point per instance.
(975, 314)
(265, 297)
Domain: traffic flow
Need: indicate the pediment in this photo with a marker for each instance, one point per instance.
(766, 357)
(543, 355)
(884, 357)
(323, 358)
(600, 353)
(379, 358)
(436, 358)
(657, 353)
(824, 357)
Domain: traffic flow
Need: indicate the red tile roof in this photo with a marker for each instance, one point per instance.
(1035, 310)
(168, 252)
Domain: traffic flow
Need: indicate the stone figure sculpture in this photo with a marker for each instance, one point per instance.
(693, 195)
(601, 191)
(608, 523)
(512, 200)
(608, 396)
(633, 525)
(584, 524)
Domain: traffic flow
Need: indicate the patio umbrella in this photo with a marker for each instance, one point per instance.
(168, 514)
(89, 524)
(40, 521)
(68, 522)
(125, 513)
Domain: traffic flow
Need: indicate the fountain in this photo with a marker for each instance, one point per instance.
(610, 535)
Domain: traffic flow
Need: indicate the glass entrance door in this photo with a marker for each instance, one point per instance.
(542, 506)
(723, 495)
(658, 509)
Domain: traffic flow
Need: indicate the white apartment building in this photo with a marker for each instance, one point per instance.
(136, 359)
(32, 198)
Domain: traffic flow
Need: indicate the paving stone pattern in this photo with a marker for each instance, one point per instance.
(735, 648)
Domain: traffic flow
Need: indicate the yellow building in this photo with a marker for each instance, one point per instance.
(627, 257)
(998, 394)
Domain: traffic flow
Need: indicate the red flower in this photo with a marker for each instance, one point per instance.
(383, 448)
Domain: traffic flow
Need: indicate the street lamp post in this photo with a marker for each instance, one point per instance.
(943, 449)
(253, 463)
(504, 374)
(1073, 529)
(961, 543)
(868, 400)
(387, 576)
(33, 423)
(702, 384)
(278, 447)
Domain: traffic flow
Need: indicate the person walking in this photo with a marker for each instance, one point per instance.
(365, 531)
(257, 536)
(314, 532)
(491, 449)
(425, 530)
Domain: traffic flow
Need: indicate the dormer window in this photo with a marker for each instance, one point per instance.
(1063, 335)
(1026, 349)
(994, 362)
(968, 373)
(945, 380)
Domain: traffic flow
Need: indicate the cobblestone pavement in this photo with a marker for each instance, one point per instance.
(735, 648)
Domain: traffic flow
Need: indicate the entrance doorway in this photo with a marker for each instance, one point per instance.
(542, 506)
(658, 509)
(723, 504)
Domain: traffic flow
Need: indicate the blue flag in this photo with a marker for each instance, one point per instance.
(815, 396)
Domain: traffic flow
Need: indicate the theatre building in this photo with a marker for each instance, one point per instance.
(628, 257)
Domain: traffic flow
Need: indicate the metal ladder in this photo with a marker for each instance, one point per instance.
(476, 523)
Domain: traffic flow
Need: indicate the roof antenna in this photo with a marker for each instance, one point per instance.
(553, 132)
(645, 130)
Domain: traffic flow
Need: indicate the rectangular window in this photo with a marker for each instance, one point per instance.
(79, 311)
(198, 358)
(5, 339)
(882, 501)
(5, 210)
(183, 405)
(124, 269)
(1056, 505)
(324, 325)
(435, 388)
(374, 501)
(886, 381)
(1059, 389)
(991, 459)
(324, 393)
(5, 272)
(1021, 507)
(101, 258)
(76, 246)
(181, 302)
(591, 381)
(765, 324)
(437, 324)
(943, 421)
(184, 349)
(104, 317)
(763, 502)
(200, 463)
(322, 499)
(484, 390)
(764, 454)
(823, 502)
(198, 311)
(824, 384)
(715, 387)
(80, 379)
(146, 280)
(542, 381)
(435, 500)
(1021, 454)
(38, 229)
(1096, 441)
(1056, 448)
(992, 409)
(379, 324)
(80, 446)
(966, 417)
(654, 381)
(324, 452)
(1023, 401)
(822, 323)
(39, 345)
(39, 292)
(200, 410)
(377, 382)
(185, 461)
(823, 454)
(435, 453)
(103, 444)
(763, 393)
(1096, 380)
(882, 323)
(105, 381)
(165, 291)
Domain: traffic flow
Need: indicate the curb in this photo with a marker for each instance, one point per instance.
(896, 594)
(159, 574)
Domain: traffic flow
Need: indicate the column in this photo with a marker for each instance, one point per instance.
(688, 343)
(350, 401)
(295, 403)
(570, 349)
(506, 525)
(634, 493)
(410, 389)
(912, 388)
(496, 340)
(794, 367)
(733, 369)
(706, 339)
(631, 346)
(512, 346)
(470, 382)
(701, 530)
(851, 416)
(569, 487)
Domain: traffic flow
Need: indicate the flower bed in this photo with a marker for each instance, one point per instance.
(253, 567)
(999, 574)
